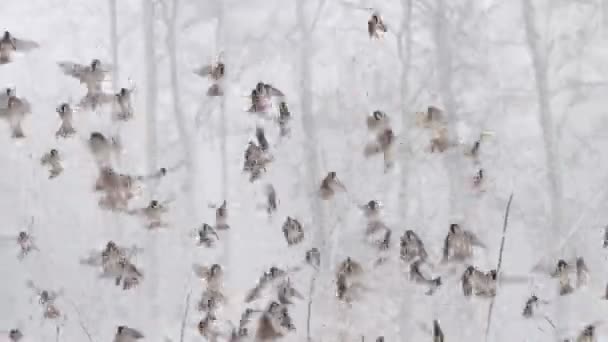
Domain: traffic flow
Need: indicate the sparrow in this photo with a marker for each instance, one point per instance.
(377, 120)
(384, 142)
(440, 140)
(313, 257)
(211, 300)
(531, 304)
(53, 160)
(459, 243)
(271, 199)
(152, 212)
(272, 275)
(215, 72)
(221, 215)
(261, 97)
(284, 119)
(123, 108)
(102, 148)
(587, 335)
(14, 112)
(92, 75)
(261, 138)
(417, 276)
(212, 275)
(126, 334)
(274, 322)
(605, 242)
(26, 243)
(10, 44)
(478, 178)
(286, 292)
(329, 185)
(255, 161)
(130, 275)
(582, 273)
(412, 247)
(15, 335)
(349, 267)
(375, 26)
(371, 209)
(478, 283)
(47, 300)
(206, 327)
(111, 256)
(380, 339)
(116, 187)
(347, 289)
(66, 114)
(293, 231)
(207, 236)
(561, 272)
(437, 332)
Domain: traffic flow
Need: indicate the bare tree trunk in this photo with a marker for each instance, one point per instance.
(151, 146)
(151, 82)
(114, 42)
(312, 158)
(539, 63)
(443, 60)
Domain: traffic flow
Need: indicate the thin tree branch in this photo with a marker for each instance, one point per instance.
(185, 317)
(500, 254)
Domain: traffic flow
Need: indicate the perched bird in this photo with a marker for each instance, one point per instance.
(216, 73)
(582, 272)
(383, 144)
(440, 140)
(478, 178)
(284, 119)
(53, 160)
(123, 108)
(102, 148)
(417, 276)
(207, 236)
(66, 114)
(126, 334)
(349, 267)
(329, 185)
(211, 300)
(377, 120)
(255, 161)
(588, 334)
(561, 272)
(130, 275)
(459, 243)
(437, 332)
(117, 189)
(347, 288)
(479, 283)
(412, 247)
(92, 75)
(371, 209)
(47, 299)
(221, 216)
(261, 97)
(15, 335)
(376, 26)
(14, 112)
(531, 304)
(26, 244)
(212, 275)
(152, 213)
(313, 257)
(9, 44)
(293, 231)
(274, 322)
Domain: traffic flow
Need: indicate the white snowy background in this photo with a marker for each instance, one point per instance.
(533, 72)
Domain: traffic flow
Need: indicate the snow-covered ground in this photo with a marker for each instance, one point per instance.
(472, 58)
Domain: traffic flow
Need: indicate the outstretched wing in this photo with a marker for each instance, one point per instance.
(73, 69)
(274, 91)
(23, 45)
